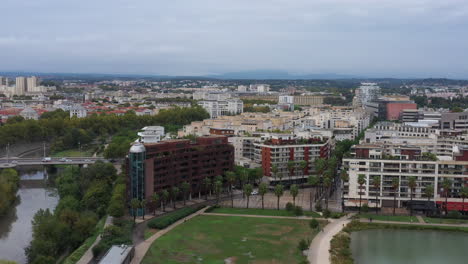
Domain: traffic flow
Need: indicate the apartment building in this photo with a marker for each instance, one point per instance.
(153, 167)
(151, 134)
(292, 157)
(220, 108)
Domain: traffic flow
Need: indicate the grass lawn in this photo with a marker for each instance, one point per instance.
(73, 153)
(149, 232)
(255, 211)
(431, 220)
(396, 218)
(212, 239)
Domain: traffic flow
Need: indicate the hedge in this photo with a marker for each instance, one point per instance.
(172, 217)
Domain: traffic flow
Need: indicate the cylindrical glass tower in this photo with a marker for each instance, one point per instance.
(137, 158)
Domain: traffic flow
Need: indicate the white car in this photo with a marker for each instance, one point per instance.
(254, 192)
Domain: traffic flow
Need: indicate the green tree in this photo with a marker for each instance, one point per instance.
(278, 193)
(411, 186)
(262, 190)
(135, 204)
(429, 192)
(248, 191)
(174, 193)
(344, 176)
(207, 183)
(376, 184)
(446, 184)
(143, 207)
(291, 166)
(464, 195)
(274, 170)
(361, 181)
(243, 178)
(314, 224)
(231, 179)
(218, 187)
(164, 198)
(327, 182)
(314, 181)
(395, 186)
(294, 190)
(185, 186)
(155, 200)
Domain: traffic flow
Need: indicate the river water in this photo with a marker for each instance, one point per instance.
(15, 226)
(408, 247)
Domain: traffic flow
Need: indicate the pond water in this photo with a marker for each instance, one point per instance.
(15, 226)
(408, 247)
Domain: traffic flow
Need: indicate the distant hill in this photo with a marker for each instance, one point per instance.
(276, 74)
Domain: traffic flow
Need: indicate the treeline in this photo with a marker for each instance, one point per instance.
(84, 198)
(9, 183)
(437, 102)
(68, 133)
(256, 109)
(118, 147)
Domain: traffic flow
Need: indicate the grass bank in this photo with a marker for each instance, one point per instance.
(255, 211)
(395, 218)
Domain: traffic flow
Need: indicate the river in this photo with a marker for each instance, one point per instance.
(408, 247)
(15, 226)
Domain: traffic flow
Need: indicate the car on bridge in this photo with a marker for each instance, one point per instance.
(47, 159)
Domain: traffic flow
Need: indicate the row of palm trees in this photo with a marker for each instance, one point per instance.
(428, 191)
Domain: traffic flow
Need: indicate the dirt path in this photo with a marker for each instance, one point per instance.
(319, 249)
(142, 248)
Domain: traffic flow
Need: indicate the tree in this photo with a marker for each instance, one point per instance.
(248, 191)
(327, 182)
(174, 193)
(314, 224)
(207, 183)
(291, 166)
(294, 190)
(376, 184)
(262, 190)
(312, 180)
(303, 165)
(243, 177)
(165, 197)
(464, 195)
(344, 178)
(135, 204)
(218, 187)
(395, 186)
(143, 207)
(278, 193)
(231, 179)
(155, 200)
(185, 186)
(429, 192)
(361, 181)
(446, 184)
(274, 170)
(411, 186)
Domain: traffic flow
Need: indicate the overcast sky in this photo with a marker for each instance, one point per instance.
(395, 38)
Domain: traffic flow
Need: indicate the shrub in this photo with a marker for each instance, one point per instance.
(170, 218)
(326, 213)
(302, 245)
(365, 208)
(298, 211)
(289, 207)
(314, 224)
(454, 214)
(318, 207)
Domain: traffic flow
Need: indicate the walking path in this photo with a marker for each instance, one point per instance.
(267, 216)
(319, 248)
(142, 248)
(88, 255)
(364, 220)
(420, 219)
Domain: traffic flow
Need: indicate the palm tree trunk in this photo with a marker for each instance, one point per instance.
(326, 199)
(262, 203)
(232, 199)
(411, 202)
(446, 203)
(376, 203)
(185, 196)
(360, 199)
(394, 202)
(277, 204)
(310, 200)
(248, 198)
(294, 200)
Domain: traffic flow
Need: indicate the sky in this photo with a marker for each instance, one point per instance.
(374, 38)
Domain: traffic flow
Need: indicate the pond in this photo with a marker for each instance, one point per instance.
(15, 226)
(385, 246)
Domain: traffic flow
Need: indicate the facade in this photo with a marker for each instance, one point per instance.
(366, 93)
(20, 86)
(151, 134)
(29, 113)
(3, 81)
(390, 107)
(32, 84)
(159, 166)
(306, 99)
(221, 108)
(282, 150)
(78, 111)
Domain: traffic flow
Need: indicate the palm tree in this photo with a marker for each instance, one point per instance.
(218, 188)
(429, 192)
(243, 178)
(165, 196)
(312, 180)
(464, 195)
(344, 178)
(262, 190)
(135, 204)
(155, 200)
(320, 167)
(278, 193)
(248, 191)
(185, 186)
(376, 183)
(175, 192)
(294, 190)
(395, 186)
(327, 182)
(446, 184)
(291, 166)
(361, 181)
(274, 170)
(411, 185)
(207, 184)
(231, 179)
(143, 207)
(303, 165)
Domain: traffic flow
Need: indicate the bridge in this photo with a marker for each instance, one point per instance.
(14, 162)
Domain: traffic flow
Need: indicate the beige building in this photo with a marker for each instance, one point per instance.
(20, 87)
(308, 100)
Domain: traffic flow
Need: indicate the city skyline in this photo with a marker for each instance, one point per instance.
(358, 38)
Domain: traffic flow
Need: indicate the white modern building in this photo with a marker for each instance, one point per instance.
(151, 134)
(78, 111)
(219, 108)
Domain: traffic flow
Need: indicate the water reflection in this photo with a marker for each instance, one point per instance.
(15, 226)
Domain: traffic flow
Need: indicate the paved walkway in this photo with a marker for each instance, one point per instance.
(319, 248)
(88, 255)
(142, 248)
(268, 216)
(420, 219)
(364, 220)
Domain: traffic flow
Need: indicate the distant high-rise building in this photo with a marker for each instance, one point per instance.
(32, 84)
(3, 81)
(20, 86)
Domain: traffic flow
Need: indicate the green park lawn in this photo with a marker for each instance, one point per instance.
(255, 211)
(434, 220)
(396, 218)
(73, 153)
(213, 239)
